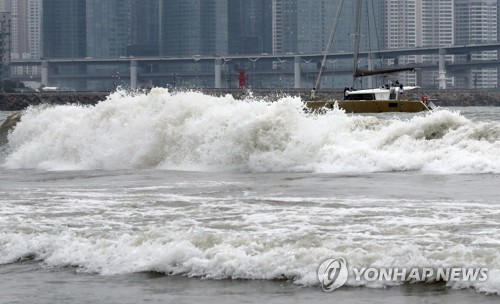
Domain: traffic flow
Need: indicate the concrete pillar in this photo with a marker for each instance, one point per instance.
(133, 74)
(442, 69)
(420, 79)
(297, 72)
(218, 73)
(45, 73)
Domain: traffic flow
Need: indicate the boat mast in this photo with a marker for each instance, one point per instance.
(329, 45)
(357, 38)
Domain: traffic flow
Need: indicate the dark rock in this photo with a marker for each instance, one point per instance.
(463, 98)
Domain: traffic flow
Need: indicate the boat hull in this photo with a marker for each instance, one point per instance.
(371, 106)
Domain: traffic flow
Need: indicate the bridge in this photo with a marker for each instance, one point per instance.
(131, 69)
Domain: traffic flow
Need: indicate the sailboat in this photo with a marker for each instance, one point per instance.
(388, 98)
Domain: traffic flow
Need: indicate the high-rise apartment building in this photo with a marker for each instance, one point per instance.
(5, 44)
(107, 27)
(5, 6)
(437, 22)
(249, 27)
(34, 28)
(115, 28)
(284, 26)
(424, 23)
(144, 28)
(197, 27)
(304, 26)
(64, 36)
(64, 28)
(476, 23)
(19, 35)
(437, 29)
(314, 21)
(25, 26)
(401, 24)
(25, 31)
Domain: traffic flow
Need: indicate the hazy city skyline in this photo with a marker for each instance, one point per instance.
(124, 28)
(113, 28)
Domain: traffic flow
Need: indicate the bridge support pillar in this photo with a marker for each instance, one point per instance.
(133, 74)
(218, 73)
(296, 72)
(45, 73)
(420, 79)
(442, 69)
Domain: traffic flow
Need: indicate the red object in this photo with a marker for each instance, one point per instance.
(424, 99)
(243, 79)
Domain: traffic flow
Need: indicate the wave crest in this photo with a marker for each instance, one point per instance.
(190, 130)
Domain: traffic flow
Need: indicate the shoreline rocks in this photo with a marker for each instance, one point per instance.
(20, 101)
(461, 98)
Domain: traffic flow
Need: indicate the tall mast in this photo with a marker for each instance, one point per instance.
(357, 37)
(329, 45)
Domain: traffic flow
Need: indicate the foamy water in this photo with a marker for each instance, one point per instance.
(198, 132)
(199, 186)
(239, 229)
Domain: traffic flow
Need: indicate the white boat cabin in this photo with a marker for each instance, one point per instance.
(383, 93)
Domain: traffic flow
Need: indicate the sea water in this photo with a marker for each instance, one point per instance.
(191, 198)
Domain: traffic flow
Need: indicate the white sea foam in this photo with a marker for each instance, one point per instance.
(247, 238)
(231, 256)
(192, 131)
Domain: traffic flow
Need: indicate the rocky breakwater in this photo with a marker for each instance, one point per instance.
(19, 101)
(459, 98)
(445, 98)
(464, 98)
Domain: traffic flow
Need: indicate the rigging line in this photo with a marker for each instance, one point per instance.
(376, 32)
(369, 28)
(369, 41)
(357, 18)
(330, 41)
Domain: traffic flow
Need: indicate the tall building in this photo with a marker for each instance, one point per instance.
(64, 28)
(5, 6)
(314, 20)
(284, 26)
(26, 32)
(424, 23)
(437, 29)
(144, 28)
(5, 44)
(107, 27)
(197, 27)
(34, 28)
(64, 36)
(401, 24)
(19, 36)
(25, 27)
(249, 27)
(304, 26)
(477, 23)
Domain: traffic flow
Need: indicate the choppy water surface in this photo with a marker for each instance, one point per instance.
(188, 185)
